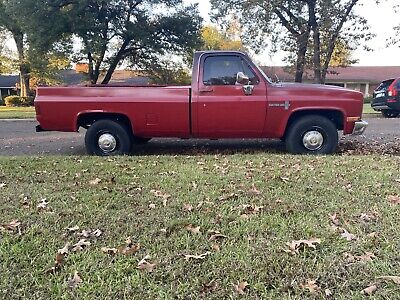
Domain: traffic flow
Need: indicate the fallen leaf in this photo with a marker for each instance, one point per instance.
(394, 199)
(14, 226)
(95, 181)
(197, 257)
(311, 286)
(96, 233)
(80, 245)
(209, 287)
(216, 235)
(73, 229)
(152, 206)
(129, 248)
(328, 293)
(334, 219)
(295, 246)
(215, 247)
(367, 257)
(188, 207)
(254, 190)
(394, 279)
(240, 287)
(369, 290)
(64, 251)
(145, 265)
(111, 251)
(43, 204)
(2, 185)
(347, 235)
(75, 281)
(285, 179)
(194, 230)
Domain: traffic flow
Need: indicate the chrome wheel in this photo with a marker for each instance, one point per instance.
(313, 140)
(107, 143)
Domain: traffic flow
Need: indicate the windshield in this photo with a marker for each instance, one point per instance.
(263, 73)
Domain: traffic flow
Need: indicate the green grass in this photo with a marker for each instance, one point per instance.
(17, 112)
(368, 109)
(297, 195)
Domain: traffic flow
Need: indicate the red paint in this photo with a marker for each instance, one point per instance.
(215, 111)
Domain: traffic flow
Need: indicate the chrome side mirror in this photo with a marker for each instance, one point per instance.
(242, 79)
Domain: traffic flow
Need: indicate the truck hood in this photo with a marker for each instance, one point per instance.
(304, 90)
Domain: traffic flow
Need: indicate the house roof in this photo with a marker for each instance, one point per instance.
(8, 81)
(348, 74)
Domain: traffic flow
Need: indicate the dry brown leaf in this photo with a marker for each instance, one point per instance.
(188, 207)
(367, 257)
(368, 291)
(311, 286)
(197, 257)
(215, 247)
(254, 190)
(64, 251)
(129, 248)
(145, 265)
(80, 245)
(152, 206)
(347, 235)
(240, 287)
(334, 219)
(96, 233)
(328, 293)
(14, 226)
(394, 199)
(394, 279)
(74, 281)
(2, 185)
(60, 257)
(95, 181)
(73, 229)
(209, 287)
(111, 251)
(295, 246)
(194, 230)
(43, 204)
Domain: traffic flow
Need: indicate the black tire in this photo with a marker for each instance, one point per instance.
(115, 131)
(314, 126)
(390, 113)
(140, 140)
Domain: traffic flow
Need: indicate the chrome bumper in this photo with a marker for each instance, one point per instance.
(359, 127)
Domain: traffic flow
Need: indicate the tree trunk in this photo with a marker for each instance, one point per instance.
(114, 64)
(302, 45)
(24, 69)
(316, 39)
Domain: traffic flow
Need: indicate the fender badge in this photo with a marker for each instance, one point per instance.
(286, 105)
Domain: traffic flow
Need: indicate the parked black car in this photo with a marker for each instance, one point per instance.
(387, 98)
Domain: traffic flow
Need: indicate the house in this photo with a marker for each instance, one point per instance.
(363, 79)
(8, 85)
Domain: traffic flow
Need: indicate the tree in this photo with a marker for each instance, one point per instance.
(312, 26)
(133, 33)
(213, 39)
(34, 34)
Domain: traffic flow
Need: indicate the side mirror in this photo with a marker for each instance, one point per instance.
(242, 79)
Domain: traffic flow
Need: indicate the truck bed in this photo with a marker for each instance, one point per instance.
(156, 110)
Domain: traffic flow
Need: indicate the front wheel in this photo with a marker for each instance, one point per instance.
(312, 135)
(108, 138)
(390, 113)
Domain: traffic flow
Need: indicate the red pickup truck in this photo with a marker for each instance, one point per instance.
(230, 97)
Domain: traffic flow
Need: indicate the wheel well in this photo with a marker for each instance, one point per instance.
(88, 119)
(335, 116)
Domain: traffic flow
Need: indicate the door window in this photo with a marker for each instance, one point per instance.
(222, 70)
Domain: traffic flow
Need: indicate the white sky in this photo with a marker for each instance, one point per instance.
(381, 18)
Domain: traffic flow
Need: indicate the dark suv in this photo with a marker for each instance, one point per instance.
(387, 98)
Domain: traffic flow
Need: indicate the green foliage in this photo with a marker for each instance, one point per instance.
(167, 72)
(368, 100)
(213, 39)
(15, 101)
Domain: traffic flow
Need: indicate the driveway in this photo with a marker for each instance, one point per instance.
(19, 138)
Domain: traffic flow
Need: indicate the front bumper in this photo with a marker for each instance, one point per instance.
(360, 127)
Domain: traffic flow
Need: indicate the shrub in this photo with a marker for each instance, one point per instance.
(18, 101)
(368, 99)
(2, 101)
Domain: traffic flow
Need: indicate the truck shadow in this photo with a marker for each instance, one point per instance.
(199, 147)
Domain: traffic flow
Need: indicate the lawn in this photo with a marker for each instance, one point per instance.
(17, 112)
(368, 109)
(207, 226)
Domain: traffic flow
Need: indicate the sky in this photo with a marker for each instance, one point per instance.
(381, 18)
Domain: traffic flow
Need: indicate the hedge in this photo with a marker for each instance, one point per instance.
(18, 101)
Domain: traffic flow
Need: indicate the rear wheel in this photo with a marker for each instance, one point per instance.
(108, 138)
(390, 113)
(312, 135)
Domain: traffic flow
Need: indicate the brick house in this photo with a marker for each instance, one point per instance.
(364, 79)
(8, 85)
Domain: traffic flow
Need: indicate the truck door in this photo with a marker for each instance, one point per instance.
(222, 108)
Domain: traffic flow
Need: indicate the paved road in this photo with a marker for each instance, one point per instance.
(19, 138)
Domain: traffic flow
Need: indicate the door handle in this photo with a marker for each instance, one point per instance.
(206, 89)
